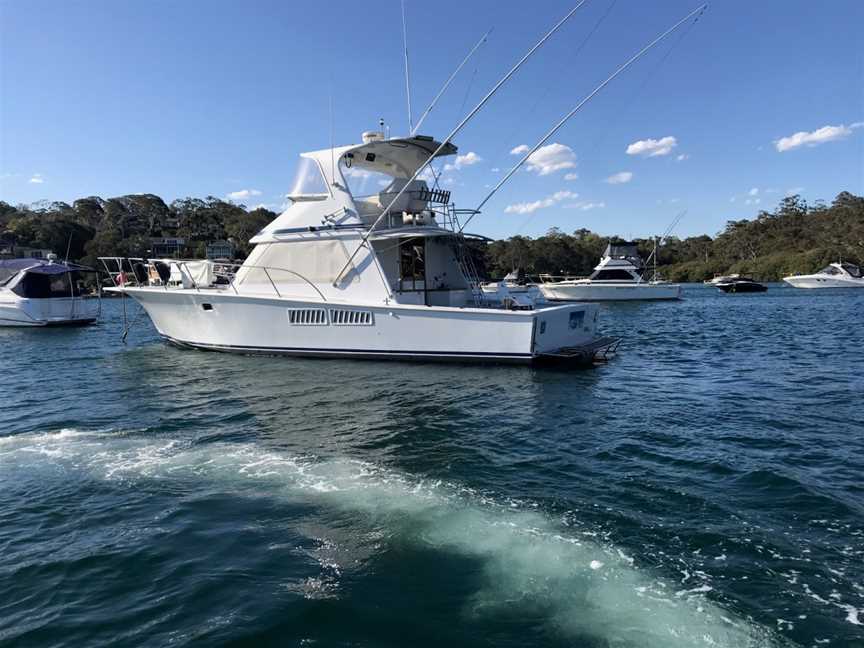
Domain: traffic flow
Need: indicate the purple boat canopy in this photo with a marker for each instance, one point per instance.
(39, 266)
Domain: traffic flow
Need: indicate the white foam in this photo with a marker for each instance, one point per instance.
(587, 588)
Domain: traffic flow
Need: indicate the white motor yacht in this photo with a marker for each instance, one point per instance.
(512, 291)
(618, 277)
(835, 275)
(40, 292)
(325, 280)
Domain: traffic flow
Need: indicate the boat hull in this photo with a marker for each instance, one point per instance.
(742, 288)
(36, 313)
(594, 292)
(218, 320)
(823, 281)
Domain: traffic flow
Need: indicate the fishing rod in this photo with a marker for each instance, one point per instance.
(696, 12)
(452, 134)
(450, 80)
(662, 240)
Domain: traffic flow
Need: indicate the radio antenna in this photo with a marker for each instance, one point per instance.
(450, 80)
(696, 12)
(407, 72)
(453, 133)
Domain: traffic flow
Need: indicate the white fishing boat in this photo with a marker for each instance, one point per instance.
(618, 277)
(381, 275)
(406, 293)
(43, 292)
(835, 275)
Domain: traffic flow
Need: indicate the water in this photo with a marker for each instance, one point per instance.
(705, 488)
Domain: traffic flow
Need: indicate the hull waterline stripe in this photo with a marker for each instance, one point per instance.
(350, 352)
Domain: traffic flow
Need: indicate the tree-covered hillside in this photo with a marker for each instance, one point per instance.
(795, 237)
(123, 226)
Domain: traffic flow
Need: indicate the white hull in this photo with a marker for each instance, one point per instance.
(69, 311)
(609, 291)
(824, 281)
(223, 321)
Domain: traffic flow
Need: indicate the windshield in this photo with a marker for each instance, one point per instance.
(829, 270)
(853, 270)
(362, 182)
(308, 180)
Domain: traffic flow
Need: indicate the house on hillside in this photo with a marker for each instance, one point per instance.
(167, 246)
(220, 250)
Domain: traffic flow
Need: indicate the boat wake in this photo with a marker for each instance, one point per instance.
(585, 589)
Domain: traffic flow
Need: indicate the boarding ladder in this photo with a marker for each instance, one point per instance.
(463, 255)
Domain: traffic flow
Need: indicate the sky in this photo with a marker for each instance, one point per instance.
(754, 101)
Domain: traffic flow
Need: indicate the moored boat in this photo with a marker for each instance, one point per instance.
(835, 275)
(407, 291)
(740, 284)
(618, 277)
(44, 292)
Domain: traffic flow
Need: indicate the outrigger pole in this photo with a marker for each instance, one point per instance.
(450, 80)
(696, 12)
(453, 133)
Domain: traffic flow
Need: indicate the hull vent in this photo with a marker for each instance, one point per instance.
(307, 316)
(340, 317)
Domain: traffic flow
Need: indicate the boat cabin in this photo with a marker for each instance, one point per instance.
(358, 221)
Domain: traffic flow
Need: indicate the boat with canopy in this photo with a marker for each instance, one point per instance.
(44, 292)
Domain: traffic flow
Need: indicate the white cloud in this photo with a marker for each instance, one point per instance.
(571, 176)
(754, 191)
(585, 205)
(520, 150)
(622, 177)
(816, 137)
(683, 156)
(243, 194)
(550, 158)
(37, 178)
(549, 201)
(495, 170)
(652, 147)
(469, 159)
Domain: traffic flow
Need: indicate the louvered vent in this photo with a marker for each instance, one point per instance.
(307, 316)
(342, 317)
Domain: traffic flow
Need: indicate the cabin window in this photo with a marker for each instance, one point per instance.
(308, 180)
(613, 275)
(36, 285)
(412, 264)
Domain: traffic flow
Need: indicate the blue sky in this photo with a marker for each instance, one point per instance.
(217, 98)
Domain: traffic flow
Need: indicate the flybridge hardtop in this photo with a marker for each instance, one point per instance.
(321, 197)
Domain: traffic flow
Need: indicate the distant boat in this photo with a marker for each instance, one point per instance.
(739, 284)
(835, 275)
(618, 277)
(513, 291)
(720, 279)
(39, 292)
